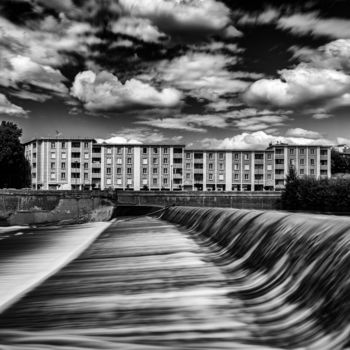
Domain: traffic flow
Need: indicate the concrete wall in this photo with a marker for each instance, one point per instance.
(20, 207)
(241, 200)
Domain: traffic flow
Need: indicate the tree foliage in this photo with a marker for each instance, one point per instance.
(311, 194)
(339, 163)
(14, 168)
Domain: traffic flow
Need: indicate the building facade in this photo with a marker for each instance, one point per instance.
(85, 164)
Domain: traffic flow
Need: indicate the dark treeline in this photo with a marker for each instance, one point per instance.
(14, 168)
(310, 194)
(340, 163)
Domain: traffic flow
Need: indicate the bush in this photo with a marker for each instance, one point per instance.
(310, 194)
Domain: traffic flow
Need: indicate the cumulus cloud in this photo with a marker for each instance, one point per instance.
(21, 70)
(258, 141)
(299, 132)
(138, 135)
(140, 28)
(183, 18)
(104, 92)
(311, 23)
(9, 109)
(301, 85)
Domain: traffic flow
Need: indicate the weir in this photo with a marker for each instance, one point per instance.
(196, 278)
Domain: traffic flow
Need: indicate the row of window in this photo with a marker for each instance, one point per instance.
(292, 151)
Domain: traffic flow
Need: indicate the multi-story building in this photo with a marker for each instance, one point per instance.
(59, 163)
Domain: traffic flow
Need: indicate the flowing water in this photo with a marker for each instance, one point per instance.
(220, 279)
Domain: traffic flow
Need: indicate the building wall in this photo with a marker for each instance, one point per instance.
(84, 164)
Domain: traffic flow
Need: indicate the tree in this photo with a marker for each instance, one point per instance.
(14, 167)
(290, 198)
(339, 163)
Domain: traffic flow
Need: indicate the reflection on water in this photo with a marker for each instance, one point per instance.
(244, 281)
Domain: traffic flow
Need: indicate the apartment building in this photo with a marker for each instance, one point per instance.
(59, 163)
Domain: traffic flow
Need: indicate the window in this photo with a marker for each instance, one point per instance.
(236, 176)
(86, 166)
(155, 181)
(165, 150)
(34, 165)
(246, 167)
(109, 160)
(221, 166)
(312, 171)
(259, 156)
(312, 161)
(291, 151)
(75, 144)
(128, 160)
(75, 165)
(269, 176)
(155, 170)
(86, 176)
(119, 181)
(198, 156)
(144, 150)
(33, 175)
(165, 170)
(188, 155)
(165, 181)
(53, 144)
(129, 150)
(236, 156)
(119, 150)
(177, 160)
(312, 151)
(63, 145)
(63, 166)
(53, 166)
(144, 171)
(210, 177)
(75, 154)
(221, 177)
(302, 161)
(324, 162)
(52, 176)
(128, 170)
(188, 165)
(119, 171)
(53, 155)
(269, 156)
(279, 151)
(144, 161)
(279, 161)
(211, 166)
(109, 150)
(119, 161)
(324, 172)
(34, 155)
(155, 160)
(64, 155)
(129, 181)
(188, 176)
(144, 181)
(246, 176)
(292, 162)
(269, 167)
(221, 155)
(155, 150)
(63, 176)
(246, 156)
(198, 165)
(75, 175)
(235, 167)
(301, 150)
(86, 144)
(259, 166)
(86, 155)
(108, 171)
(301, 171)
(165, 160)
(210, 156)
(324, 152)
(109, 182)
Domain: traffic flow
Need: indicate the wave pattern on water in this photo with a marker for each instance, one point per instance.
(292, 271)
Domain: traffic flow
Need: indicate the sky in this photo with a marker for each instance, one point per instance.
(205, 73)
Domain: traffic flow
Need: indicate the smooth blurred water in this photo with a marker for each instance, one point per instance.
(232, 279)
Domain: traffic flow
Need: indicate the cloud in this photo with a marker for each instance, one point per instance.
(140, 28)
(299, 132)
(138, 135)
(259, 140)
(9, 109)
(311, 23)
(21, 70)
(183, 19)
(301, 85)
(246, 119)
(104, 92)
